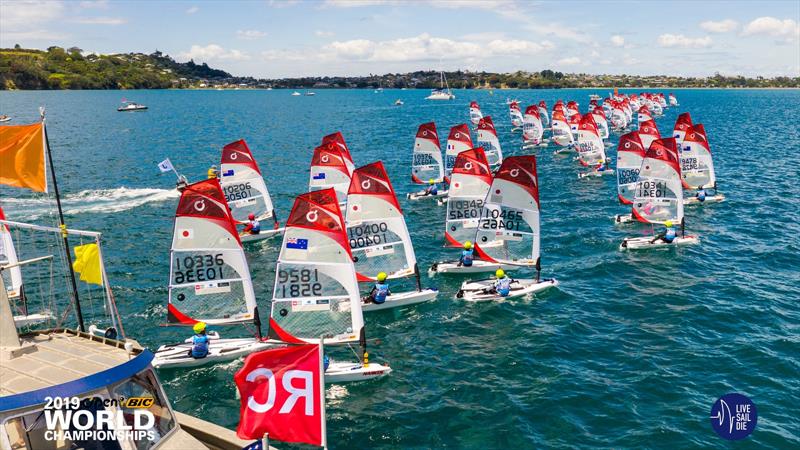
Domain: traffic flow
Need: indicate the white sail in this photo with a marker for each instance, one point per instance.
(242, 183)
(543, 113)
(11, 278)
(508, 231)
(427, 156)
(209, 275)
(475, 114)
(659, 192)
(487, 138)
(532, 128)
(630, 154)
(316, 292)
(697, 166)
(591, 150)
(648, 132)
(469, 185)
(562, 134)
(458, 140)
(376, 228)
(329, 169)
(601, 122)
(682, 124)
(516, 114)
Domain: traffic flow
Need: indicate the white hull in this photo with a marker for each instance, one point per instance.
(397, 300)
(478, 266)
(440, 96)
(639, 243)
(348, 372)
(709, 199)
(420, 195)
(596, 173)
(219, 350)
(30, 319)
(480, 291)
(265, 234)
(623, 218)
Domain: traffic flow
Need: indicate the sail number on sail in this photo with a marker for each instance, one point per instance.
(367, 235)
(299, 283)
(191, 269)
(627, 176)
(689, 164)
(465, 209)
(237, 191)
(423, 159)
(503, 220)
(655, 189)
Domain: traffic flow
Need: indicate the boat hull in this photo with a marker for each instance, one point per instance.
(344, 372)
(641, 243)
(480, 291)
(709, 199)
(219, 350)
(402, 299)
(266, 234)
(478, 266)
(420, 195)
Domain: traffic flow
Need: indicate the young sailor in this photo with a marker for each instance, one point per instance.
(212, 172)
(432, 188)
(253, 226)
(380, 291)
(603, 165)
(466, 255)
(701, 194)
(668, 235)
(502, 285)
(199, 341)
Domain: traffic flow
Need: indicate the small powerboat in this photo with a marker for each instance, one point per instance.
(5, 118)
(131, 106)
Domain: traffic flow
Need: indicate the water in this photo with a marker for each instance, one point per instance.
(630, 351)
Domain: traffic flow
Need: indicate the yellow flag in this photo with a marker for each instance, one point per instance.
(87, 263)
(22, 158)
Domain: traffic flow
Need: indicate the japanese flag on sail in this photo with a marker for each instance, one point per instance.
(166, 165)
(186, 233)
(283, 394)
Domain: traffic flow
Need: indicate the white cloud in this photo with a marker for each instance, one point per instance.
(517, 47)
(213, 52)
(283, 55)
(192, 10)
(101, 20)
(595, 54)
(571, 61)
(323, 33)
(679, 40)
(557, 30)
(419, 48)
(617, 40)
(771, 26)
(23, 15)
(250, 34)
(723, 26)
(94, 4)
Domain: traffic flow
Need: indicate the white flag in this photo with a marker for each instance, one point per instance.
(165, 165)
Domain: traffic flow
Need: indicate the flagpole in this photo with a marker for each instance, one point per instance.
(322, 391)
(63, 227)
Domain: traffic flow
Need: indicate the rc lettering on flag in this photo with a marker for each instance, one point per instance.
(186, 233)
(319, 176)
(282, 394)
(298, 244)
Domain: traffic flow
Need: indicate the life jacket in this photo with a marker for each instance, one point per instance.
(669, 236)
(701, 195)
(255, 226)
(503, 286)
(212, 173)
(432, 190)
(199, 346)
(466, 257)
(381, 291)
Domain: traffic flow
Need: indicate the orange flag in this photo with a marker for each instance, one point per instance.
(22, 156)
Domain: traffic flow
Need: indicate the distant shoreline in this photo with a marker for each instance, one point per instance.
(646, 88)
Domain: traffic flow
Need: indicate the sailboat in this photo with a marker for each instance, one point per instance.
(469, 186)
(378, 236)
(458, 140)
(427, 156)
(209, 278)
(697, 165)
(602, 123)
(682, 124)
(659, 195)
(516, 116)
(443, 93)
(245, 190)
(561, 132)
(337, 139)
(630, 154)
(475, 114)
(487, 138)
(673, 101)
(330, 169)
(648, 132)
(591, 151)
(316, 292)
(643, 115)
(543, 113)
(509, 230)
(532, 128)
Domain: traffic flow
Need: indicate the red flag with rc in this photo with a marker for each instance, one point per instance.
(282, 394)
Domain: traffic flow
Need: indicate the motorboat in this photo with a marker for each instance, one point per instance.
(131, 106)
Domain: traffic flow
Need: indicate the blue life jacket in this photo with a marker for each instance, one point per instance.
(199, 346)
(669, 236)
(256, 226)
(701, 195)
(325, 362)
(601, 167)
(466, 257)
(503, 286)
(381, 291)
(432, 190)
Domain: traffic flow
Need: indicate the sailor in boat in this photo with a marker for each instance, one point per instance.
(604, 165)
(668, 235)
(380, 291)
(199, 341)
(701, 194)
(502, 286)
(432, 188)
(253, 226)
(466, 255)
(213, 172)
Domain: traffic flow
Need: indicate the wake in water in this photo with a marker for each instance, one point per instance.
(89, 201)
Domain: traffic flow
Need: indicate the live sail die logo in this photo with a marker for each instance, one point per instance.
(734, 416)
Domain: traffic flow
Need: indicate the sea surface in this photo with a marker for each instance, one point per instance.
(630, 351)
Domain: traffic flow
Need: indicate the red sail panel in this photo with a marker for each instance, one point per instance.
(372, 179)
(205, 199)
(521, 170)
(238, 152)
(319, 211)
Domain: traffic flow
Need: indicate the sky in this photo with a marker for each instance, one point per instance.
(293, 38)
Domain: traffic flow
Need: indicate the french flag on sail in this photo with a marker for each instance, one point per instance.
(297, 244)
(319, 176)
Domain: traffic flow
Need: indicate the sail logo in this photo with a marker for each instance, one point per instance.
(366, 184)
(733, 416)
(514, 173)
(312, 216)
(200, 205)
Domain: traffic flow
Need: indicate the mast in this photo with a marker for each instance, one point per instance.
(63, 226)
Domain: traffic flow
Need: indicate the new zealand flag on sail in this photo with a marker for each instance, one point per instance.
(319, 176)
(298, 244)
(228, 173)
